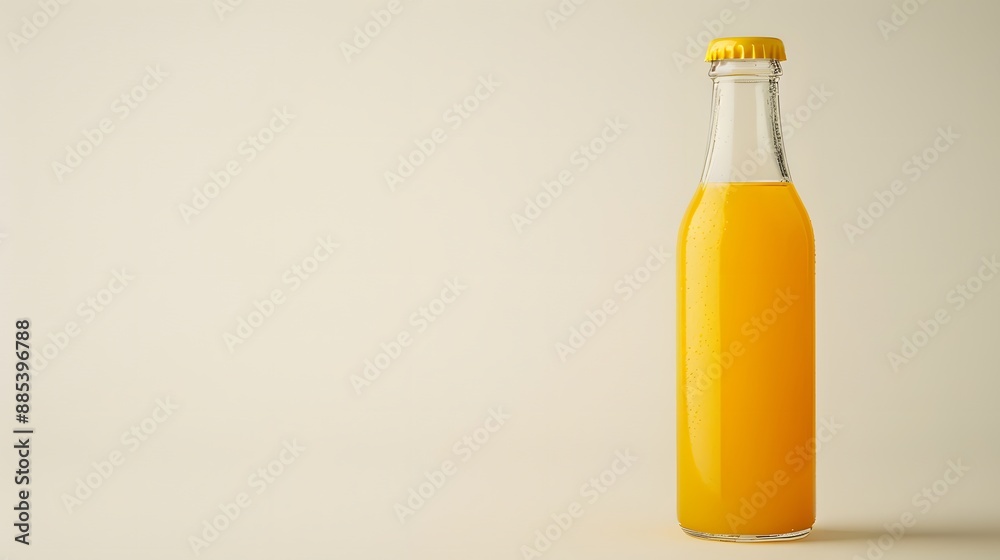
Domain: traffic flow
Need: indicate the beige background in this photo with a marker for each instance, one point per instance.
(495, 346)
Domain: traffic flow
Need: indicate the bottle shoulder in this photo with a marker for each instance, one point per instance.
(718, 209)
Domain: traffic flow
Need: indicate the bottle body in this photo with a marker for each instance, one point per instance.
(746, 329)
(745, 410)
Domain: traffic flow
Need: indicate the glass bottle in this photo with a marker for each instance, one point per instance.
(746, 318)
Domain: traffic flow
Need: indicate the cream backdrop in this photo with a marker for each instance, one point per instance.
(170, 169)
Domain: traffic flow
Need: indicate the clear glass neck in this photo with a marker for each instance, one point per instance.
(745, 143)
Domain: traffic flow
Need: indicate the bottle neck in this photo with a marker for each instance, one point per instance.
(745, 143)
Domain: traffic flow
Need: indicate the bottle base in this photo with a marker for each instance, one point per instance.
(749, 538)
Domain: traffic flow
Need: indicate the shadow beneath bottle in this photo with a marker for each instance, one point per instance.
(864, 534)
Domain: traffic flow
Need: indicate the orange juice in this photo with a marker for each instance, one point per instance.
(745, 361)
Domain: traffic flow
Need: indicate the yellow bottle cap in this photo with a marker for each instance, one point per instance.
(729, 48)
